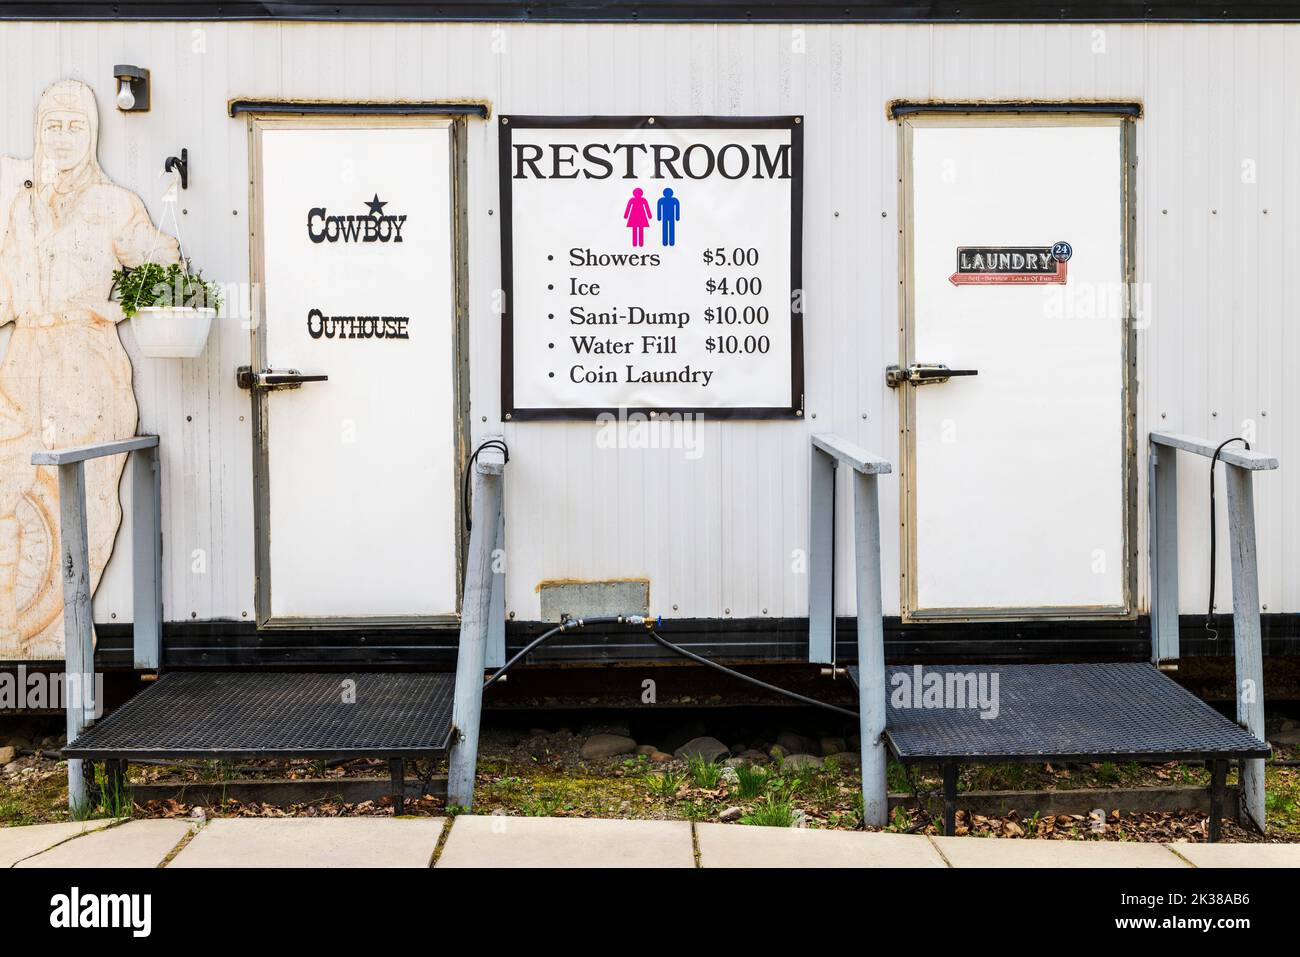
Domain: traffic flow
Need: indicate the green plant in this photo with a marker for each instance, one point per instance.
(545, 805)
(217, 770)
(152, 284)
(114, 794)
(899, 821)
(12, 812)
(771, 811)
(750, 780)
(1108, 773)
(705, 774)
(666, 784)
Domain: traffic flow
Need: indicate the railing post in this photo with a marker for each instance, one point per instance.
(78, 633)
(1247, 641)
(481, 570)
(1162, 492)
(872, 712)
(871, 649)
(496, 636)
(821, 558)
(146, 547)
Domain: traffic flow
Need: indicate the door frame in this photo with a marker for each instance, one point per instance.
(909, 117)
(258, 122)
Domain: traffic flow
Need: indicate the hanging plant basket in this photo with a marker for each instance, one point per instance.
(172, 332)
(171, 309)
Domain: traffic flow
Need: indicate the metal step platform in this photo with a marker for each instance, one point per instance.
(226, 715)
(1121, 711)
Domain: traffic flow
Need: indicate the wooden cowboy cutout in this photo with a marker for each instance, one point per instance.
(65, 378)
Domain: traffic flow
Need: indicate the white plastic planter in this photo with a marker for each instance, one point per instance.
(172, 332)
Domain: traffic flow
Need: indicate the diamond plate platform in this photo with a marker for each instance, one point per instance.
(1083, 712)
(261, 714)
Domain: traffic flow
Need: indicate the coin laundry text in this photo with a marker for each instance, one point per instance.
(687, 375)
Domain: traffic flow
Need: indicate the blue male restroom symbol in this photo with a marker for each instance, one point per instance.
(668, 210)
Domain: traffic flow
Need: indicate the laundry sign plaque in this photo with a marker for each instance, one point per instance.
(1011, 265)
(651, 264)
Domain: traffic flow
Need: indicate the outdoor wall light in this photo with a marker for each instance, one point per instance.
(132, 88)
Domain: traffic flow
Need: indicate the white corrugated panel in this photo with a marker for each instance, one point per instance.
(718, 535)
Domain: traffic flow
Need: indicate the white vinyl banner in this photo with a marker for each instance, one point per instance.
(359, 286)
(651, 264)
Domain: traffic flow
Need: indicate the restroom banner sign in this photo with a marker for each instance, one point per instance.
(651, 264)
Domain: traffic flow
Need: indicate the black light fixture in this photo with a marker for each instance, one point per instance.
(132, 88)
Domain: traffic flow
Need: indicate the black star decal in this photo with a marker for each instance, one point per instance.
(376, 207)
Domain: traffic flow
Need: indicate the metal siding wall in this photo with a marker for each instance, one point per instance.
(718, 536)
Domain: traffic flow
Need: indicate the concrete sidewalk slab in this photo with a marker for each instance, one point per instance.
(134, 844)
(734, 845)
(313, 842)
(1009, 852)
(499, 841)
(1239, 855)
(17, 843)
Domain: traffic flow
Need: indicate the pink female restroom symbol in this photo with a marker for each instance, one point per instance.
(638, 216)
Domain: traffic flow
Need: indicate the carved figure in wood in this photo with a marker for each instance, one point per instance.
(65, 378)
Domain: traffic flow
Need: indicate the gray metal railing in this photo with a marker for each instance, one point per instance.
(74, 565)
(828, 452)
(1162, 478)
(482, 622)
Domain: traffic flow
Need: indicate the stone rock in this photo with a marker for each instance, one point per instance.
(705, 748)
(682, 735)
(731, 814)
(754, 757)
(796, 743)
(646, 749)
(833, 746)
(607, 746)
(13, 767)
(777, 753)
(729, 775)
(7, 754)
(798, 762)
(1285, 737)
(659, 757)
(847, 759)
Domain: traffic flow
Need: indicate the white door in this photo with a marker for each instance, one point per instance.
(1016, 472)
(357, 491)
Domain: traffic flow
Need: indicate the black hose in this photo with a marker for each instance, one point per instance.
(699, 659)
(498, 444)
(574, 623)
(1209, 614)
(569, 624)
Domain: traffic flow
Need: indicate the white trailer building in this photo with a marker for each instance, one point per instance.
(655, 248)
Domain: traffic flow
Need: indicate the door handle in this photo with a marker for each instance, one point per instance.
(269, 380)
(922, 373)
